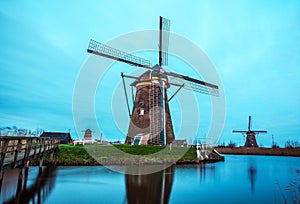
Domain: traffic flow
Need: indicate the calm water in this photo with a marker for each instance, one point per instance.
(240, 179)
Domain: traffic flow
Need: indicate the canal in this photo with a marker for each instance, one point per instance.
(239, 179)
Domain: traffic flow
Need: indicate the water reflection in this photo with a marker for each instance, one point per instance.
(149, 188)
(37, 192)
(240, 179)
(252, 175)
(203, 169)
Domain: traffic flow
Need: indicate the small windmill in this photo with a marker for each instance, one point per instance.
(250, 135)
(150, 117)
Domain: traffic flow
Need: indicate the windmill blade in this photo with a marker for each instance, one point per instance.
(164, 35)
(239, 131)
(259, 131)
(249, 123)
(193, 84)
(115, 54)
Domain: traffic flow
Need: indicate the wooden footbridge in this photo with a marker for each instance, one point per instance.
(19, 151)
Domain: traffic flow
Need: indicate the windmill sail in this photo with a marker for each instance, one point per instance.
(164, 27)
(193, 84)
(164, 34)
(150, 117)
(98, 48)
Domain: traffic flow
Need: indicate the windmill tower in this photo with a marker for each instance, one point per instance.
(150, 119)
(250, 135)
(147, 109)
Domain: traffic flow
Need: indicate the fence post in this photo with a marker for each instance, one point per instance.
(17, 152)
(41, 146)
(3, 153)
(35, 146)
(27, 153)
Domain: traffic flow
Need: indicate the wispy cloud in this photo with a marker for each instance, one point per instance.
(254, 45)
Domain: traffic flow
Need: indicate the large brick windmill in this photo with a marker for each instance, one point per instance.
(150, 119)
(250, 135)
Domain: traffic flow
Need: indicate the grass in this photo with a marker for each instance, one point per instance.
(139, 150)
(72, 154)
(90, 154)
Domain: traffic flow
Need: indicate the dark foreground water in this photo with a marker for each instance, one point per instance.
(240, 179)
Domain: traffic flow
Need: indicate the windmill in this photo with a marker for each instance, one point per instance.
(150, 118)
(250, 135)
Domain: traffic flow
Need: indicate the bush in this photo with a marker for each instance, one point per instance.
(292, 144)
(231, 144)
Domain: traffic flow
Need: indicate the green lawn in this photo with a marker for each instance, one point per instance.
(90, 154)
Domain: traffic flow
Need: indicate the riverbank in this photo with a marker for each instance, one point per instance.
(91, 155)
(259, 151)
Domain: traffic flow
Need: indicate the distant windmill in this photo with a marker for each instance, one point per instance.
(88, 134)
(150, 119)
(250, 135)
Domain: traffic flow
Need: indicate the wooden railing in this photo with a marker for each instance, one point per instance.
(18, 151)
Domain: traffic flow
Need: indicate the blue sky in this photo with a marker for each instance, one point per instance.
(254, 46)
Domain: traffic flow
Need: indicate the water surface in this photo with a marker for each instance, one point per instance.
(240, 179)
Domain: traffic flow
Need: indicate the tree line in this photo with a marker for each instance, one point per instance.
(288, 144)
(15, 131)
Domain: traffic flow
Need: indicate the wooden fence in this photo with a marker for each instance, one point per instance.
(18, 151)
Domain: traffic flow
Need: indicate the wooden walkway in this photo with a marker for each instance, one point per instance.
(19, 151)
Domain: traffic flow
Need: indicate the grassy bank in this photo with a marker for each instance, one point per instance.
(132, 155)
(72, 155)
(81, 155)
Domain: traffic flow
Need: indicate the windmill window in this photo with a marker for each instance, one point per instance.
(142, 111)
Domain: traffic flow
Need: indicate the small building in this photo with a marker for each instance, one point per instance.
(115, 142)
(179, 143)
(65, 137)
(87, 138)
(88, 135)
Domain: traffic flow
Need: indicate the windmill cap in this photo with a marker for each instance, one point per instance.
(149, 77)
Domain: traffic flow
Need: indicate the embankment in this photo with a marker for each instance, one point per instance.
(69, 155)
(260, 151)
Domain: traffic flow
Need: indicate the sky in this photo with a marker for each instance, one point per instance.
(253, 45)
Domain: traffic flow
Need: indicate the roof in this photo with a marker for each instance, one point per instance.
(147, 78)
(65, 137)
(179, 142)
